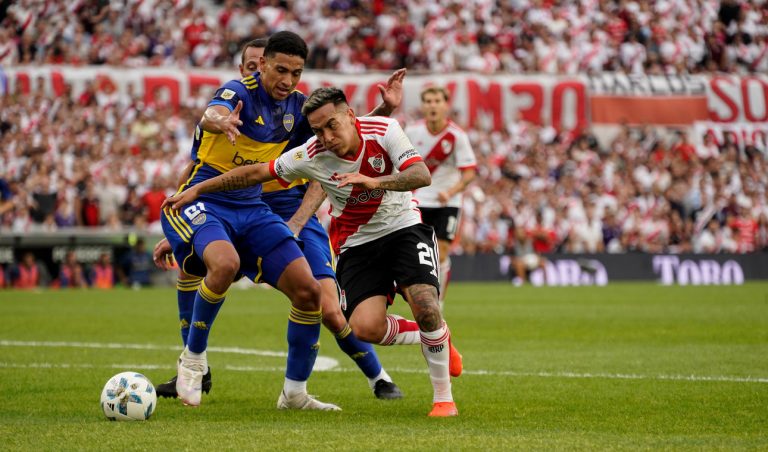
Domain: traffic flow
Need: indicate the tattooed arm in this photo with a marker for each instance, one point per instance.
(411, 178)
(238, 178)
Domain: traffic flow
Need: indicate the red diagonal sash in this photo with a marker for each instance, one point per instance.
(442, 149)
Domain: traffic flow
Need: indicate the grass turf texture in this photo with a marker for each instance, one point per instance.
(618, 367)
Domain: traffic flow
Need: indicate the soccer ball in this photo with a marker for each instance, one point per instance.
(128, 396)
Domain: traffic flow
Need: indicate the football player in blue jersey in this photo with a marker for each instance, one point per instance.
(187, 285)
(271, 123)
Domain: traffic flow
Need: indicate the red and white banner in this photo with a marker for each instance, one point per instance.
(743, 134)
(477, 100)
(617, 98)
(738, 99)
(567, 103)
(677, 99)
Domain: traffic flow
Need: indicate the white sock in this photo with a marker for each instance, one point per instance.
(382, 375)
(194, 355)
(401, 331)
(434, 346)
(293, 387)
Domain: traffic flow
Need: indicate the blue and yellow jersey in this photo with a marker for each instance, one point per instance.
(269, 128)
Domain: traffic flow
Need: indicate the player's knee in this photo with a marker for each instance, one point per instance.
(334, 320)
(306, 294)
(224, 266)
(427, 314)
(367, 331)
(370, 336)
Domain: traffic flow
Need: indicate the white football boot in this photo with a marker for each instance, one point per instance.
(190, 371)
(303, 401)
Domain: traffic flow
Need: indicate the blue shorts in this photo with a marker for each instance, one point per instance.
(262, 239)
(317, 249)
(316, 244)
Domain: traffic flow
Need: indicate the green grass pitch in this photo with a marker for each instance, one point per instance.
(628, 366)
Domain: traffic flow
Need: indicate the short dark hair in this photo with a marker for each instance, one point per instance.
(323, 96)
(258, 43)
(286, 42)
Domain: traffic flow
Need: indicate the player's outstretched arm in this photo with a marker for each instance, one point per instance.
(313, 198)
(236, 179)
(391, 94)
(415, 176)
(218, 119)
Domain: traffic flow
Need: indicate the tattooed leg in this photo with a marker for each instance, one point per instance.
(435, 345)
(424, 305)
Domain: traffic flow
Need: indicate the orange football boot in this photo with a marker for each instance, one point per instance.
(444, 409)
(455, 365)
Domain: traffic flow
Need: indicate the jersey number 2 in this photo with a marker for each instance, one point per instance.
(194, 210)
(427, 257)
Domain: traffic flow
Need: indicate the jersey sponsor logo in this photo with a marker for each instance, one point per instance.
(343, 300)
(227, 94)
(298, 155)
(409, 154)
(363, 197)
(259, 120)
(436, 348)
(279, 168)
(377, 163)
(288, 121)
(334, 177)
(238, 160)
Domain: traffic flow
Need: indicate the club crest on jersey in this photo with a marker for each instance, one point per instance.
(447, 146)
(377, 162)
(288, 122)
(199, 219)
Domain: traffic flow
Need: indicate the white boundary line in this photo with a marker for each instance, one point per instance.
(326, 364)
(322, 363)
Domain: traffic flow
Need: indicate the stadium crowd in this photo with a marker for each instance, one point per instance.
(545, 36)
(642, 192)
(106, 161)
(97, 160)
(102, 159)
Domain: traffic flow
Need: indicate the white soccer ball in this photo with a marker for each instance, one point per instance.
(128, 396)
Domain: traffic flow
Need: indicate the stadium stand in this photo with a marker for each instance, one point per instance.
(98, 161)
(103, 159)
(542, 36)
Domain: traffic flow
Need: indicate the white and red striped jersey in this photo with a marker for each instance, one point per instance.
(446, 153)
(358, 215)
